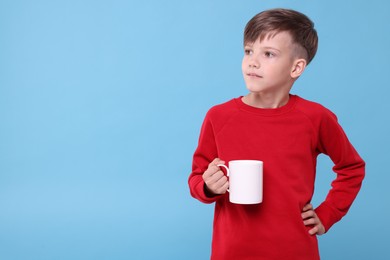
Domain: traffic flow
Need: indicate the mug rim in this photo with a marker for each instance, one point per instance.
(246, 161)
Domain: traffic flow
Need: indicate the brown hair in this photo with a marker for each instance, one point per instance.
(270, 22)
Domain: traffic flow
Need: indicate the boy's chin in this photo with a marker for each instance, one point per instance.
(254, 89)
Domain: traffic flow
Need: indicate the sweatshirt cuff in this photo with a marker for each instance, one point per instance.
(327, 215)
(203, 195)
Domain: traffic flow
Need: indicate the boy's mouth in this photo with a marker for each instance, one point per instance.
(253, 75)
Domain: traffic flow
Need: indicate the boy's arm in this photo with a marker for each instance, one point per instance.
(205, 153)
(348, 166)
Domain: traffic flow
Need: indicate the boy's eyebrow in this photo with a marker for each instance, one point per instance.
(250, 45)
(271, 48)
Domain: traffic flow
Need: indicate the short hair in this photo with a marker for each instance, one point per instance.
(271, 22)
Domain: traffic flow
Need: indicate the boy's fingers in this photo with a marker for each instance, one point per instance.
(308, 214)
(225, 187)
(215, 177)
(313, 231)
(212, 180)
(213, 168)
(218, 186)
(317, 230)
(310, 218)
(307, 207)
(216, 161)
(221, 181)
(221, 185)
(211, 171)
(208, 173)
(310, 221)
(224, 184)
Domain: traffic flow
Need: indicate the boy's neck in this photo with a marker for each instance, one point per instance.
(260, 100)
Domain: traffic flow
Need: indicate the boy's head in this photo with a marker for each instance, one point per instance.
(299, 26)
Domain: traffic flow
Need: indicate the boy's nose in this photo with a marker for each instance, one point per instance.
(254, 63)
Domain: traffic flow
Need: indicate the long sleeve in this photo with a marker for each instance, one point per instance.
(205, 153)
(348, 166)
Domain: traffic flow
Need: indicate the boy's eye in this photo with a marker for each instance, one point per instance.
(269, 54)
(248, 52)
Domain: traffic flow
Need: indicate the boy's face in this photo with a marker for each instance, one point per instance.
(268, 66)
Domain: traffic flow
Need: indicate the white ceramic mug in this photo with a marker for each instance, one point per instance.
(245, 181)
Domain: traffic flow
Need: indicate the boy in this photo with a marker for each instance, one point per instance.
(287, 133)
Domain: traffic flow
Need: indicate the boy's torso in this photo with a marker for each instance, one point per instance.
(287, 144)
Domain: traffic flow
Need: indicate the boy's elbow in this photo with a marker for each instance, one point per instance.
(360, 171)
(362, 167)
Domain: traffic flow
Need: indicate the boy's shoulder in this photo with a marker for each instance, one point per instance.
(219, 114)
(225, 108)
(313, 109)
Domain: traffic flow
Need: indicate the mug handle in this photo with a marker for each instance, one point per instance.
(227, 171)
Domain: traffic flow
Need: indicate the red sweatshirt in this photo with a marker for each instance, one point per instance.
(288, 140)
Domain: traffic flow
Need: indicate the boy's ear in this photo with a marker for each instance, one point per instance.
(298, 67)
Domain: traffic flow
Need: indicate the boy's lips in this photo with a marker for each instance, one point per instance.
(251, 74)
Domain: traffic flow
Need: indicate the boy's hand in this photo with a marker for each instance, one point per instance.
(310, 218)
(216, 182)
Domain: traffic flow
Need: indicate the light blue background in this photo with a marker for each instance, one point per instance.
(101, 104)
